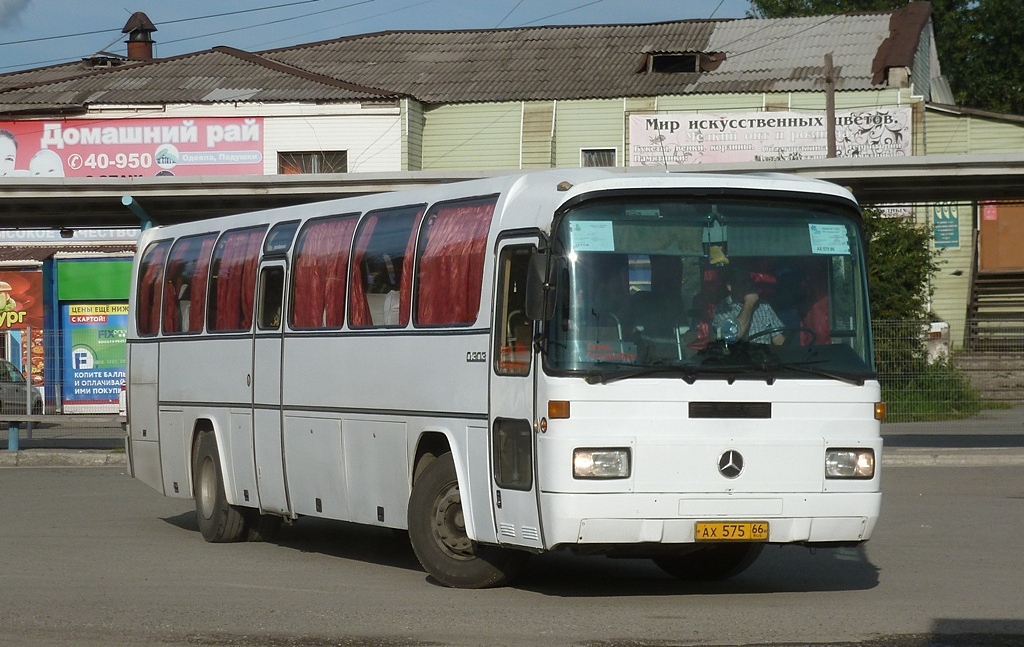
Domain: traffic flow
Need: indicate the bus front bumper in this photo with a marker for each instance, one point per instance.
(811, 518)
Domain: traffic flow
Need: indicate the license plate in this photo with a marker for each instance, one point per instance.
(731, 531)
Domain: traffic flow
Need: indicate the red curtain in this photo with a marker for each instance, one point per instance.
(235, 283)
(321, 263)
(405, 283)
(197, 297)
(172, 284)
(254, 245)
(150, 289)
(358, 308)
(452, 262)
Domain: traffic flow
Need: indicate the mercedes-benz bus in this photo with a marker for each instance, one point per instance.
(672, 366)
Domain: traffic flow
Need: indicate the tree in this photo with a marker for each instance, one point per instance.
(901, 264)
(980, 43)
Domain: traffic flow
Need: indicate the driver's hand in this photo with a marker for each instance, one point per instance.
(750, 299)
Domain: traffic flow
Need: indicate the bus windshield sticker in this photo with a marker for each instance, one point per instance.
(591, 236)
(829, 239)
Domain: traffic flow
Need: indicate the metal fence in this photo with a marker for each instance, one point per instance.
(926, 375)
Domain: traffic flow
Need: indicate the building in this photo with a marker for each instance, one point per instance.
(661, 95)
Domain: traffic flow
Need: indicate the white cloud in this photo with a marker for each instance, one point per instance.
(10, 11)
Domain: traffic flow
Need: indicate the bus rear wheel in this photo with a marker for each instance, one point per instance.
(437, 531)
(218, 521)
(717, 562)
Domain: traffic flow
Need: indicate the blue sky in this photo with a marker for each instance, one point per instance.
(34, 33)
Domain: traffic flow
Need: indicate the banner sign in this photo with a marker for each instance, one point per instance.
(132, 147)
(21, 309)
(53, 236)
(945, 225)
(707, 138)
(94, 356)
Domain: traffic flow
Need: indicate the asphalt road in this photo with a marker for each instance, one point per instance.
(94, 558)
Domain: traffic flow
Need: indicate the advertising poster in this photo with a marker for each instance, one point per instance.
(21, 320)
(708, 138)
(132, 147)
(94, 356)
(945, 225)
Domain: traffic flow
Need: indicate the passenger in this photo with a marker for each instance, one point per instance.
(743, 309)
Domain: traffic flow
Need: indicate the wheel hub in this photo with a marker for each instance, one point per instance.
(450, 524)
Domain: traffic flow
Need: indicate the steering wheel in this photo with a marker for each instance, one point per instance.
(771, 332)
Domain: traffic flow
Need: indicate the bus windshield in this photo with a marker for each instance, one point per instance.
(698, 287)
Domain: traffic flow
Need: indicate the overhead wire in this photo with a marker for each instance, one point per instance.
(164, 22)
(295, 3)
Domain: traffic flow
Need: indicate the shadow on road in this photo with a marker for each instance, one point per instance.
(564, 574)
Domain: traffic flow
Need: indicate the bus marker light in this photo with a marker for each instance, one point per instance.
(558, 409)
(879, 411)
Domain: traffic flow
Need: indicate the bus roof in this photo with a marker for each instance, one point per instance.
(537, 196)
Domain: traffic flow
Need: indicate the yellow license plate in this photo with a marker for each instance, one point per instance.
(732, 531)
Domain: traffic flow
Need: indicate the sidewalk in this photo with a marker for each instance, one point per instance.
(992, 438)
(66, 441)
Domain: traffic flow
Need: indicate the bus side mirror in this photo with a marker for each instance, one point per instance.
(540, 288)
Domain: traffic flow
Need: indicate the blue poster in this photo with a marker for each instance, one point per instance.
(94, 356)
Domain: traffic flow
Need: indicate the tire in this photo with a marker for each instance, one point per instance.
(717, 562)
(438, 536)
(218, 521)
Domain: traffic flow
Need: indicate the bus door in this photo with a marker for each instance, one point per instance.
(268, 442)
(512, 409)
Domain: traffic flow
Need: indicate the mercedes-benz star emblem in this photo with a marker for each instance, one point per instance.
(730, 464)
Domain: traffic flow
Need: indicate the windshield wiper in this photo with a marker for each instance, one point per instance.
(688, 374)
(805, 367)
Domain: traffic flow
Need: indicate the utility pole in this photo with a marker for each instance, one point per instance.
(830, 105)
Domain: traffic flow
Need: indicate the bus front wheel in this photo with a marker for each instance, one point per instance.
(218, 521)
(437, 531)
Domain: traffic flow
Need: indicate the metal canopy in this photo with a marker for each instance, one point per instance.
(43, 203)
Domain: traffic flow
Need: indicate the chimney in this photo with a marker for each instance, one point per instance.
(140, 37)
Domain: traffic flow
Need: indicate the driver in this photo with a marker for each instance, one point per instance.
(742, 311)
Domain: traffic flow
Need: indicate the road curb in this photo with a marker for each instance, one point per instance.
(953, 457)
(61, 458)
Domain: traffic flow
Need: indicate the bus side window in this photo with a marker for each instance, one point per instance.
(513, 331)
(150, 291)
(380, 288)
(452, 249)
(271, 298)
(185, 286)
(320, 271)
(233, 284)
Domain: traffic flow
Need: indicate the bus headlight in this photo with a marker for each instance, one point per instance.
(849, 463)
(600, 463)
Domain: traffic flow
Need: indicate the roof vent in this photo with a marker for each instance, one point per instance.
(140, 37)
(681, 62)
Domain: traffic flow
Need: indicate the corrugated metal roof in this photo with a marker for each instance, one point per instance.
(218, 75)
(60, 72)
(601, 61)
(539, 63)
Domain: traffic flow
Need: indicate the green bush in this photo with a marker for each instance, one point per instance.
(939, 391)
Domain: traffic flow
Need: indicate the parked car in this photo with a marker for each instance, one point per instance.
(12, 392)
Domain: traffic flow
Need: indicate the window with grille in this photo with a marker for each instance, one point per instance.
(597, 157)
(312, 162)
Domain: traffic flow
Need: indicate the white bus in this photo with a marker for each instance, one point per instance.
(527, 363)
